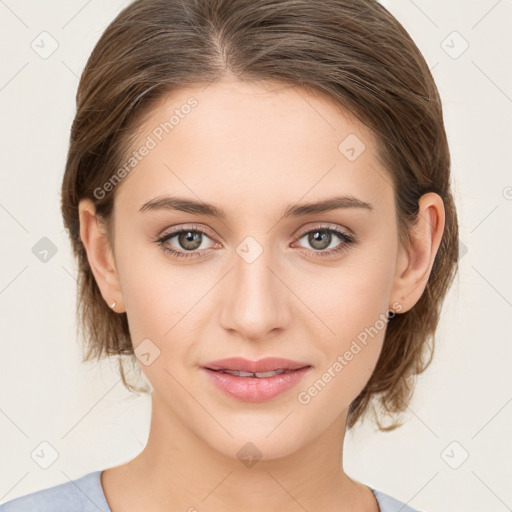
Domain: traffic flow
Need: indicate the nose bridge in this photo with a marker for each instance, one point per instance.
(255, 304)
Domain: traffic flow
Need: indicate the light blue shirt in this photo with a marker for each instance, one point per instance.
(85, 494)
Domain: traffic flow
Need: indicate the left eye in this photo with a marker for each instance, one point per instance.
(190, 241)
(320, 239)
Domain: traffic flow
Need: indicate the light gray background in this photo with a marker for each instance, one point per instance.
(462, 406)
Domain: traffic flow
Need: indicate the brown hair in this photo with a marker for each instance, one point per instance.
(354, 52)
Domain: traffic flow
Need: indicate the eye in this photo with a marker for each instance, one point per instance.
(188, 240)
(322, 238)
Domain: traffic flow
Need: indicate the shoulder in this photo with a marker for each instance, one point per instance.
(389, 504)
(84, 494)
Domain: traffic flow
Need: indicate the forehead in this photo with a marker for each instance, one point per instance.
(253, 145)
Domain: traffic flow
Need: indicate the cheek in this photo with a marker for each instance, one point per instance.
(158, 312)
(154, 293)
(163, 304)
(349, 354)
(347, 300)
(353, 311)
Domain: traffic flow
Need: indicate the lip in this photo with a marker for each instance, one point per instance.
(255, 389)
(266, 364)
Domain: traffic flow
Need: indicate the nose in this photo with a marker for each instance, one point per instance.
(256, 302)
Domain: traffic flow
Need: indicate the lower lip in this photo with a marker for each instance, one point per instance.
(254, 389)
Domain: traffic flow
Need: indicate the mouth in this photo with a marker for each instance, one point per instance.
(255, 381)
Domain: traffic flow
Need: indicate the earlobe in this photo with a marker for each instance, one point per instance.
(99, 254)
(415, 262)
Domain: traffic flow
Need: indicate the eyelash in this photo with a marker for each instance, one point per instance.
(347, 240)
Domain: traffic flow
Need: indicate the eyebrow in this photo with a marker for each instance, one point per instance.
(297, 210)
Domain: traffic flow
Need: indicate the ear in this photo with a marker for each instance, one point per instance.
(99, 254)
(414, 262)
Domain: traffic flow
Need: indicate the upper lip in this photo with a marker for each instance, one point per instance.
(266, 364)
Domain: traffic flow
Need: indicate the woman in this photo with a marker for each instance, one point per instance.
(258, 195)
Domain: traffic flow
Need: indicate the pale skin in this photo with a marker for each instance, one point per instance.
(253, 150)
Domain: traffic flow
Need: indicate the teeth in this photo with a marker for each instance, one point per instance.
(269, 374)
(260, 375)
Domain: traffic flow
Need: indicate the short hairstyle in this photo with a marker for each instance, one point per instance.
(351, 51)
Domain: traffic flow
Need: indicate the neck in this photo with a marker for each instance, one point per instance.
(177, 470)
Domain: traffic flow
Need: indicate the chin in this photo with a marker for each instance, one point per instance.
(257, 443)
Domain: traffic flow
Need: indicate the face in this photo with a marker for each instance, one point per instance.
(311, 286)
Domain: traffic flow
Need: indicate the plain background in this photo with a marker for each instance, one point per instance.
(454, 451)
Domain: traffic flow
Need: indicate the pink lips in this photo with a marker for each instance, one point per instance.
(255, 389)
